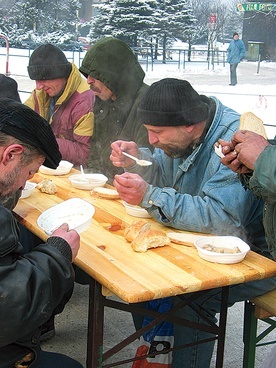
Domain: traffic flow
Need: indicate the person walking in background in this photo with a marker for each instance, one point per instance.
(235, 53)
(64, 99)
(117, 79)
(30, 291)
(188, 188)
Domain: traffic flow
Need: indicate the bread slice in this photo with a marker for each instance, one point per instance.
(149, 239)
(249, 121)
(182, 238)
(133, 230)
(106, 193)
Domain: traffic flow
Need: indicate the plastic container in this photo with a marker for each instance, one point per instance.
(221, 243)
(136, 211)
(76, 212)
(93, 181)
(63, 168)
(28, 189)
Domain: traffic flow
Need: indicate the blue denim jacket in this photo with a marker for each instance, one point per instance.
(199, 193)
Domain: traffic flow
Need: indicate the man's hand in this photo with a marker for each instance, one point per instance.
(131, 187)
(71, 236)
(243, 151)
(118, 159)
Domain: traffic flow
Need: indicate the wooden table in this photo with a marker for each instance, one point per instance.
(135, 277)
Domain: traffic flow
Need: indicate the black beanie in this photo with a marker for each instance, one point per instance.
(26, 125)
(172, 102)
(48, 62)
(8, 88)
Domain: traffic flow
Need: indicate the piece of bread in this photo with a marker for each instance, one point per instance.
(149, 239)
(47, 186)
(134, 229)
(249, 121)
(106, 193)
(182, 238)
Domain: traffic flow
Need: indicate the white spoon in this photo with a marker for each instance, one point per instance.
(83, 174)
(218, 150)
(138, 162)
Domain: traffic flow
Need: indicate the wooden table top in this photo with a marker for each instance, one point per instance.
(134, 277)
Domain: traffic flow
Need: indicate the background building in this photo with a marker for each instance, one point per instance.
(259, 29)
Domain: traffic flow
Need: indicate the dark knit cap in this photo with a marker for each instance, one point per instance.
(172, 102)
(8, 88)
(48, 62)
(24, 124)
(235, 34)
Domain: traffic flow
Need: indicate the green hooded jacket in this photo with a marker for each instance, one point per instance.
(263, 184)
(112, 62)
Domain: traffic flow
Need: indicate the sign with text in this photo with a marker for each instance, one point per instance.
(267, 7)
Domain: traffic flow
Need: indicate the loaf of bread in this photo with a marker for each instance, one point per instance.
(106, 193)
(149, 239)
(249, 121)
(134, 229)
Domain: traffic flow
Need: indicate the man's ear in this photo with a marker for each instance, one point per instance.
(11, 153)
(189, 128)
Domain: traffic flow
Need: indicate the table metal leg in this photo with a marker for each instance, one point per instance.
(222, 326)
(97, 302)
(95, 325)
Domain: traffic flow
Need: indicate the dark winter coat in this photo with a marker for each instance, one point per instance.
(31, 288)
(72, 121)
(113, 63)
(236, 51)
(263, 184)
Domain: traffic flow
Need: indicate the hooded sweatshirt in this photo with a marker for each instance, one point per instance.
(112, 62)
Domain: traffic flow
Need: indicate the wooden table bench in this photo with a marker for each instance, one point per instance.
(260, 308)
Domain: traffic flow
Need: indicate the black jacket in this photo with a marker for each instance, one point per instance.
(31, 287)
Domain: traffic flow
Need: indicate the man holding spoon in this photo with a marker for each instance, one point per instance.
(188, 188)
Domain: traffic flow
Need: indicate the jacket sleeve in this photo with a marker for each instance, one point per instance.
(242, 50)
(32, 285)
(221, 205)
(263, 180)
(217, 211)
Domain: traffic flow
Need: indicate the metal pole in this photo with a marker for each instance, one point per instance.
(259, 60)
(7, 54)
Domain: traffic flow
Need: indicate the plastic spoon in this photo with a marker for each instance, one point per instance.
(138, 161)
(83, 174)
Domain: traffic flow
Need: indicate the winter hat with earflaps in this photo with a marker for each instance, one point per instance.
(48, 62)
(172, 102)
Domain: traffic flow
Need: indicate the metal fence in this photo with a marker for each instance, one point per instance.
(180, 57)
(148, 57)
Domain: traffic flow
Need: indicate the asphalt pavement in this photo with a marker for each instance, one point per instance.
(71, 324)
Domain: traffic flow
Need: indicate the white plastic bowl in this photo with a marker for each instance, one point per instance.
(136, 211)
(63, 168)
(229, 242)
(76, 212)
(27, 191)
(93, 181)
